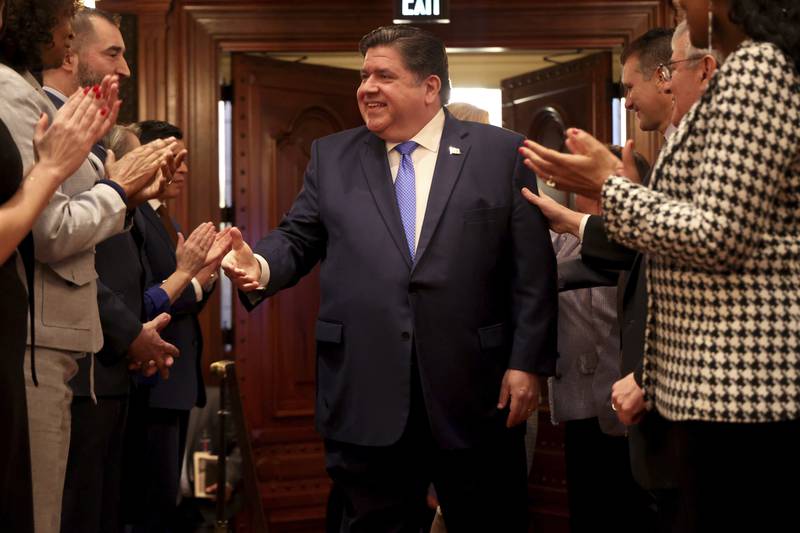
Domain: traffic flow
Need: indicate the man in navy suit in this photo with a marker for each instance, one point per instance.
(159, 412)
(438, 299)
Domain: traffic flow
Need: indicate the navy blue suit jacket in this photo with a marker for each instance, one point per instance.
(119, 296)
(184, 389)
(479, 298)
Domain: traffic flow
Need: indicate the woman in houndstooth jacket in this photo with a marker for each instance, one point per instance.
(721, 225)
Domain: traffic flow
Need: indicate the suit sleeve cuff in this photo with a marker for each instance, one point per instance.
(156, 301)
(117, 187)
(637, 374)
(582, 228)
(264, 279)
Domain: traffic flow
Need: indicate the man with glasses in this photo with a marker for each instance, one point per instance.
(687, 74)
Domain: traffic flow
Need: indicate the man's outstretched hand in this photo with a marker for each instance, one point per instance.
(240, 264)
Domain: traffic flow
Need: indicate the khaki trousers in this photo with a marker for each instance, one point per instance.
(49, 423)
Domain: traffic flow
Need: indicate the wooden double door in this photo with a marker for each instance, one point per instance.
(279, 109)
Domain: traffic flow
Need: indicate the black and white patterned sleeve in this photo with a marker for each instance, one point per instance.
(747, 140)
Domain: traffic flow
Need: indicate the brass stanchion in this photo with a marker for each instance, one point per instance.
(220, 368)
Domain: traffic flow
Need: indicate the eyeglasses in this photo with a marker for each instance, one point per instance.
(664, 70)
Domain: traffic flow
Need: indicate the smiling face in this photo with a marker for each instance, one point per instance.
(394, 103)
(101, 53)
(687, 83)
(645, 96)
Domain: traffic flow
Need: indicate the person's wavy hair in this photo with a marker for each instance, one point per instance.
(773, 21)
(27, 26)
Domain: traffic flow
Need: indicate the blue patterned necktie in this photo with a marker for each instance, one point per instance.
(405, 189)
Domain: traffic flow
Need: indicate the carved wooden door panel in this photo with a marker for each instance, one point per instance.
(541, 105)
(279, 109)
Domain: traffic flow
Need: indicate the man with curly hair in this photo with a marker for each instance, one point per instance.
(37, 33)
(83, 212)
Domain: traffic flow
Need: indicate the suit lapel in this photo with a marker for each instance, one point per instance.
(156, 226)
(379, 178)
(445, 175)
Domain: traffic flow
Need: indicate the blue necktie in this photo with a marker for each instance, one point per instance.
(405, 189)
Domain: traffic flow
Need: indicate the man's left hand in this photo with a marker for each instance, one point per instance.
(522, 388)
(627, 399)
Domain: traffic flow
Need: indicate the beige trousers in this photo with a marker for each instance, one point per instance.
(49, 422)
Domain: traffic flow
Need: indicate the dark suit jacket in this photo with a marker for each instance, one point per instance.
(654, 442)
(122, 278)
(184, 389)
(480, 297)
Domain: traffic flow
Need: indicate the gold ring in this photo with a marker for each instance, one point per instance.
(613, 406)
(550, 182)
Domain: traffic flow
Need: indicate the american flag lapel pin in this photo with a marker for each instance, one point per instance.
(455, 150)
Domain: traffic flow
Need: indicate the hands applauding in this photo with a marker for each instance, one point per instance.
(585, 169)
(62, 147)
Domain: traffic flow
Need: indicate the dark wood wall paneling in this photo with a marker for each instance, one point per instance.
(178, 47)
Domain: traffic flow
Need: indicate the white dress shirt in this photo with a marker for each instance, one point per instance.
(424, 159)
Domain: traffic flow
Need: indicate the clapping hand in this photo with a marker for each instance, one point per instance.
(140, 167)
(583, 171)
(62, 147)
(221, 246)
(191, 254)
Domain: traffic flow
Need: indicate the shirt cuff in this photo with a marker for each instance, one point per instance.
(264, 280)
(117, 187)
(198, 290)
(582, 228)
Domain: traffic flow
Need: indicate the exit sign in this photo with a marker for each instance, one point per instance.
(417, 11)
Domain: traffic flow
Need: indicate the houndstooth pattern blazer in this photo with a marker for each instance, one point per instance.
(721, 226)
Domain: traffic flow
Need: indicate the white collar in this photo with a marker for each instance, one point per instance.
(429, 136)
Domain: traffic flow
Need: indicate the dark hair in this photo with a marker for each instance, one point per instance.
(27, 26)
(653, 48)
(772, 21)
(150, 130)
(642, 166)
(423, 53)
(82, 26)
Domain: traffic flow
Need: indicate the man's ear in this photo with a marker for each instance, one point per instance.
(433, 84)
(709, 67)
(70, 63)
